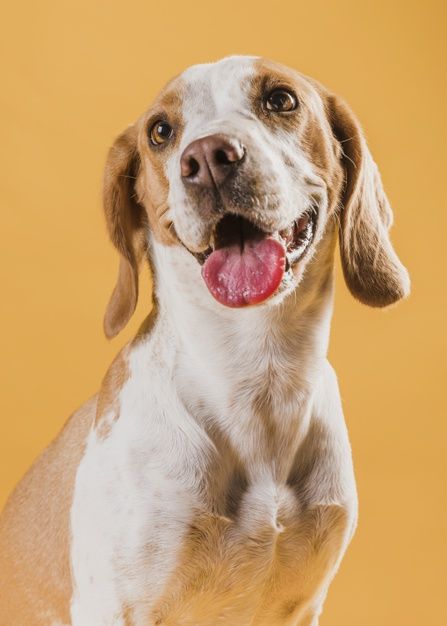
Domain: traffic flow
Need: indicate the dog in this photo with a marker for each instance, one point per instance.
(210, 480)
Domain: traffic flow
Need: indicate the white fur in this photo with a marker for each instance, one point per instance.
(162, 467)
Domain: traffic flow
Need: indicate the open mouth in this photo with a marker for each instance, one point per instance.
(245, 265)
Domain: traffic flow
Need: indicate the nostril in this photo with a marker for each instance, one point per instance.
(222, 158)
(190, 167)
(193, 166)
(229, 155)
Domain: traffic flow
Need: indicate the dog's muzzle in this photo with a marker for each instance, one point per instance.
(244, 264)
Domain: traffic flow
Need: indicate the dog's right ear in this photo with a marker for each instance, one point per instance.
(127, 226)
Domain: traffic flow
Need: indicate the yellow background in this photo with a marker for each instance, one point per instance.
(74, 74)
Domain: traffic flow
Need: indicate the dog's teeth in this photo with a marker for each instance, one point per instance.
(302, 224)
(278, 236)
(287, 234)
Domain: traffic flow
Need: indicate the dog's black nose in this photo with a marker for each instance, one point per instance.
(210, 160)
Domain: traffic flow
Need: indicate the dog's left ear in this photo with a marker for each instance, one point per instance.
(372, 270)
(127, 225)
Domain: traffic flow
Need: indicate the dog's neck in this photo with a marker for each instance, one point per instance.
(266, 352)
(290, 333)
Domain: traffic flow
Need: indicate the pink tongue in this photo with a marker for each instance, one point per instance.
(238, 277)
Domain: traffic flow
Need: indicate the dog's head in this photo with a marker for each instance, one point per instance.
(247, 166)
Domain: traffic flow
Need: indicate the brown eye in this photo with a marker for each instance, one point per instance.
(160, 132)
(280, 100)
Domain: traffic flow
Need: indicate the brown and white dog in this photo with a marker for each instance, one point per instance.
(210, 480)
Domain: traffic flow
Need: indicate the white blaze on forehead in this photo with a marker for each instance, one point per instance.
(214, 93)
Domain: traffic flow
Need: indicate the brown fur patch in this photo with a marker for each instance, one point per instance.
(372, 270)
(35, 577)
(108, 408)
(152, 185)
(269, 76)
(127, 225)
(135, 198)
(289, 608)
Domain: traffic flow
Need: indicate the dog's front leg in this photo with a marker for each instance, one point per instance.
(94, 557)
(122, 514)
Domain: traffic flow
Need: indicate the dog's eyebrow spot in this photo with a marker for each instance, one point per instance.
(170, 97)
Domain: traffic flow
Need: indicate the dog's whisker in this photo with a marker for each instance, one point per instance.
(346, 156)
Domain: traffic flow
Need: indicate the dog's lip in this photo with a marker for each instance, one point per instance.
(296, 238)
(299, 236)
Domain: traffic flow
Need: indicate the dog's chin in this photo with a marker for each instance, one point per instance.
(245, 265)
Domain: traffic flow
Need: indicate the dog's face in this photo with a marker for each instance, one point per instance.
(244, 164)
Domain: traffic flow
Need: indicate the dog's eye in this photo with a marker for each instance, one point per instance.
(281, 100)
(160, 132)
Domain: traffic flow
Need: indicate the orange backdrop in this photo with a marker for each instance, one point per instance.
(78, 71)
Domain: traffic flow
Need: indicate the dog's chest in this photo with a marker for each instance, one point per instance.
(186, 530)
(172, 557)
(257, 566)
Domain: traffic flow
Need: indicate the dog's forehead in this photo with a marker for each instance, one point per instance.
(213, 91)
(218, 82)
(213, 88)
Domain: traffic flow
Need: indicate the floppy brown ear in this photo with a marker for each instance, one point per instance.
(372, 270)
(127, 225)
